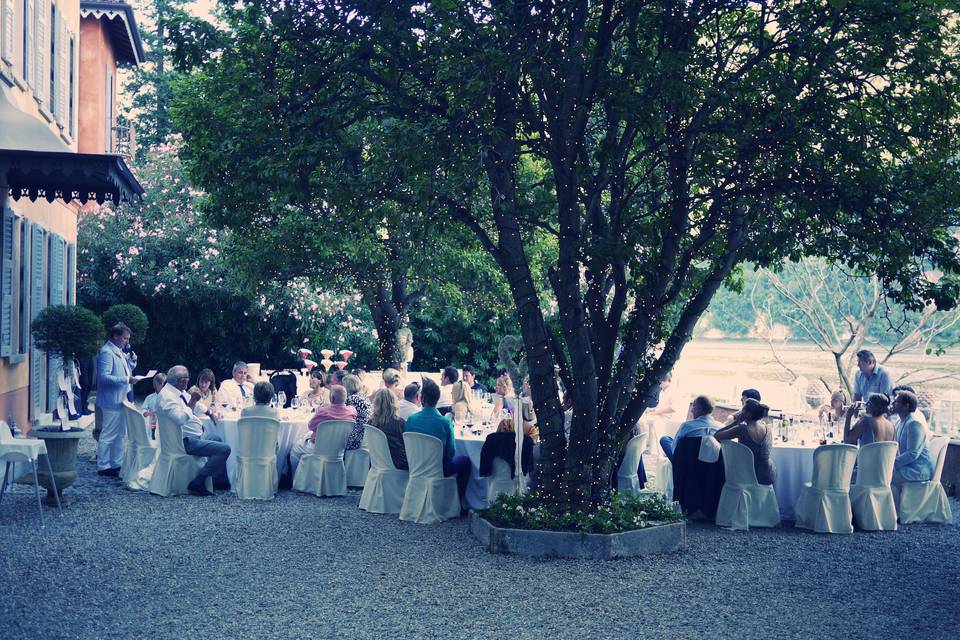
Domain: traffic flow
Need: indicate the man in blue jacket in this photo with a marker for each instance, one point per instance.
(113, 384)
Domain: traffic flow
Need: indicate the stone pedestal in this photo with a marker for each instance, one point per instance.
(62, 451)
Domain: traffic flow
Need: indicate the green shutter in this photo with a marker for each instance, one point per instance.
(55, 277)
(7, 302)
(37, 302)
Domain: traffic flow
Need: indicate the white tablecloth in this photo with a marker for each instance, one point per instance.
(794, 465)
(293, 428)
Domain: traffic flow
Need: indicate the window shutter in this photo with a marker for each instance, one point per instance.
(6, 282)
(29, 27)
(71, 274)
(63, 73)
(37, 259)
(6, 30)
(41, 50)
(57, 296)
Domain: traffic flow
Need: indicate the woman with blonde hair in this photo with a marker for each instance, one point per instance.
(385, 417)
(318, 395)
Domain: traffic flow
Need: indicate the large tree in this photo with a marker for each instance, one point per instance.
(678, 139)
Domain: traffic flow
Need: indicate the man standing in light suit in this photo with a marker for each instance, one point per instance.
(113, 384)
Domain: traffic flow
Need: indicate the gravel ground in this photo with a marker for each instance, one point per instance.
(121, 564)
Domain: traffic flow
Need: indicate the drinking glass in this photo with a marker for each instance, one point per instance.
(295, 402)
(282, 399)
(273, 401)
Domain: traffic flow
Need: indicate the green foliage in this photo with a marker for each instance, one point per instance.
(67, 330)
(130, 315)
(622, 512)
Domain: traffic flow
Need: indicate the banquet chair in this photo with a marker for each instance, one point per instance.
(14, 450)
(385, 485)
(927, 501)
(175, 468)
(824, 503)
(257, 476)
(500, 481)
(871, 497)
(628, 480)
(139, 451)
(430, 497)
(356, 462)
(321, 472)
(744, 502)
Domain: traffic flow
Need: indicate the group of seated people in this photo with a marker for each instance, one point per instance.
(888, 414)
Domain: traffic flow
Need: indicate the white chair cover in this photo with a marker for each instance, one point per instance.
(385, 484)
(429, 498)
(175, 468)
(659, 475)
(871, 497)
(627, 479)
(13, 450)
(321, 472)
(824, 504)
(927, 501)
(499, 481)
(139, 451)
(357, 465)
(257, 476)
(744, 502)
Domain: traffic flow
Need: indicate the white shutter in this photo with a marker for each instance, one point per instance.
(41, 50)
(63, 74)
(29, 27)
(6, 30)
(37, 302)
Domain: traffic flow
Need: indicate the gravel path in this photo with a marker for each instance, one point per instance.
(121, 564)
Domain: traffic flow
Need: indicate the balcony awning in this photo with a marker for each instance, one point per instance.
(35, 163)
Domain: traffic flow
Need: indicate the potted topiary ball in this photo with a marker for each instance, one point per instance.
(130, 315)
(68, 332)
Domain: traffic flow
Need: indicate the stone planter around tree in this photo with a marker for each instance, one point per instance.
(656, 539)
(62, 451)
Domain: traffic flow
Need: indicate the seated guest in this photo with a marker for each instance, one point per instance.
(701, 426)
(429, 421)
(836, 410)
(914, 462)
(206, 387)
(872, 427)
(318, 394)
(448, 376)
(470, 378)
(461, 398)
(235, 391)
(756, 436)
(336, 377)
(892, 415)
(263, 393)
(385, 417)
(356, 400)
(151, 403)
(746, 394)
(336, 410)
(391, 381)
(178, 407)
(502, 391)
(411, 400)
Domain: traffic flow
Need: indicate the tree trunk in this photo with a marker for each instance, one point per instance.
(388, 322)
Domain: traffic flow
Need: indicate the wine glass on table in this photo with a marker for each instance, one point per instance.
(273, 401)
(295, 402)
(282, 399)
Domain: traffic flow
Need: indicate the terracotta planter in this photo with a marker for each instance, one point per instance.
(62, 451)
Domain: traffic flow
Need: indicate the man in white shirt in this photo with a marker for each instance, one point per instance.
(701, 426)
(236, 390)
(177, 406)
(411, 400)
